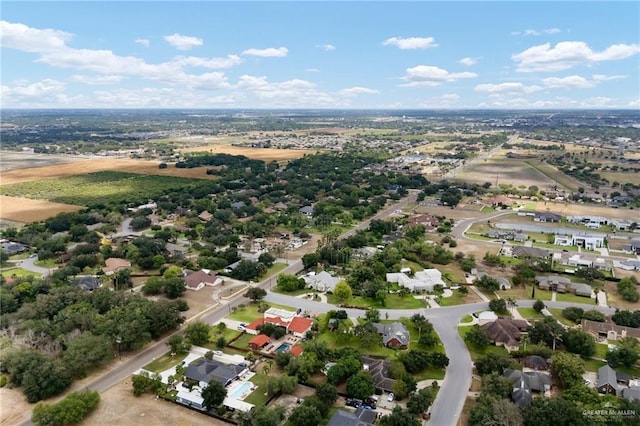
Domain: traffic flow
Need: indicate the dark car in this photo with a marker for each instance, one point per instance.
(371, 402)
(353, 402)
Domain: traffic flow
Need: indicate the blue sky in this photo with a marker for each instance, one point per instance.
(208, 54)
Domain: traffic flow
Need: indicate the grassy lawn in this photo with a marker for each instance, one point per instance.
(165, 362)
(592, 364)
(428, 374)
(530, 313)
(601, 350)
(415, 267)
(392, 301)
(274, 269)
(557, 314)
(466, 318)
(377, 350)
(458, 298)
(243, 341)
(18, 272)
(48, 263)
(476, 352)
(568, 297)
(250, 312)
(276, 289)
(524, 293)
(553, 246)
(258, 396)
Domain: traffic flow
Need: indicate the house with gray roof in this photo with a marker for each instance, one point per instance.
(322, 281)
(379, 370)
(393, 335)
(362, 417)
(533, 252)
(547, 217)
(87, 283)
(203, 371)
(607, 380)
(631, 393)
(525, 384)
(306, 210)
(11, 247)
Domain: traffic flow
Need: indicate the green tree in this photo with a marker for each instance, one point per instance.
(420, 401)
(372, 315)
(567, 369)
(626, 353)
(538, 306)
(214, 394)
(477, 337)
(174, 287)
(70, 411)
(255, 293)
(398, 417)
(327, 393)
(288, 283)
(499, 306)
(628, 289)
(492, 363)
(342, 292)
(554, 412)
(360, 385)
(305, 415)
(580, 342)
(198, 333)
(573, 313)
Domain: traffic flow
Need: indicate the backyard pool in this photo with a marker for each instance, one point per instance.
(283, 348)
(240, 390)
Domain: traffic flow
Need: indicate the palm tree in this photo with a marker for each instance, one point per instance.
(556, 336)
(266, 370)
(511, 303)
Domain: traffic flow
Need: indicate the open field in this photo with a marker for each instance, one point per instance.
(100, 186)
(264, 154)
(24, 210)
(586, 209)
(510, 171)
(82, 166)
(622, 177)
(555, 174)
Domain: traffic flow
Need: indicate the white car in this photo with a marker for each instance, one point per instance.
(390, 397)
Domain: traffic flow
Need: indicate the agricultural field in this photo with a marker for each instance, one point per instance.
(264, 154)
(513, 172)
(82, 166)
(100, 186)
(24, 210)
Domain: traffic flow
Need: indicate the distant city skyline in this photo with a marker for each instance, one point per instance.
(360, 55)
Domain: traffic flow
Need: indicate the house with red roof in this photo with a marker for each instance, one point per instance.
(252, 327)
(259, 342)
(296, 351)
(299, 326)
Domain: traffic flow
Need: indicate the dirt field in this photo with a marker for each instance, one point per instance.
(80, 167)
(587, 209)
(265, 154)
(24, 210)
(448, 212)
(505, 171)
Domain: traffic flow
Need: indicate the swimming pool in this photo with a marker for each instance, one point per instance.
(283, 348)
(240, 390)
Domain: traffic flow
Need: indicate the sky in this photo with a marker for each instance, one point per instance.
(328, 54)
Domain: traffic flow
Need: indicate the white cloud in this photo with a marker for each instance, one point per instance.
(552, 30)
(515, 87)
(26, 39)
(531, 32)
(425, 75)
(572, 81)
(411, 42)
(143, 42)
(212, 63)
(182, 42)
(602, 77)
(271, 52)
(327, 47)
(312, 70)
(568, 54)
(468, 61)
(450, 97)
(356, 90)
(634, 104)
(96, 80)
(47, 92)
(290, 93)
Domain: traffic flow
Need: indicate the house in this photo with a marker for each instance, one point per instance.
(546, 217)
(520, 252)
(563, 285)
(322, 281)
(379, 370)
(252, 327)
(361, 417)
(197, 280)
(259, 342)
(279, 206)
(424, 280)
(296, 350)
(429, 222)
(238, 205)
(393, 335)
(505, 332)
(499, 200)
(11, 247)
(202, 371)
(87, 283)
(535, 362)
(627, 265)
(586, 241)
(114, 265)
(306, 211)
(609, 330)
(176, 249)
(293, 324)
(525, 384)
(389, 238)
(607, 380)
(364, 252)
(631, 393)
(507, 235)
(504, 283)
(633, 248)
(593, 222)
(621, 224)
(205, 216)
(299, 326)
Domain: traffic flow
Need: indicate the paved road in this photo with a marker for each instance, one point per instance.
(29, 265)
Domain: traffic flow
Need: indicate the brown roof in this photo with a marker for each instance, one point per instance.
(194, 279)
(596, 327)
(260, 340)
(505, 330)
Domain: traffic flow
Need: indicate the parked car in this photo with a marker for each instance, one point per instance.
(353, 402)
(371, 402)
(390, 397)
(242, 328)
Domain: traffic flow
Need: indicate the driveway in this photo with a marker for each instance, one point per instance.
(29, 265)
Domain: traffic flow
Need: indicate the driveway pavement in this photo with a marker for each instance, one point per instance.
(29, 265)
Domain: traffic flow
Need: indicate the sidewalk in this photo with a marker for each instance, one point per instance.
(479, 293)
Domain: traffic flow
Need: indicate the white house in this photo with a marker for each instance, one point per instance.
(589, 242)
(424, 280)
(323, 281)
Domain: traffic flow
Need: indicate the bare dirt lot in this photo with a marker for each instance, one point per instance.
(81, 167)
(25, 210)
(506, 171)
(265, 154)
(587, 209)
